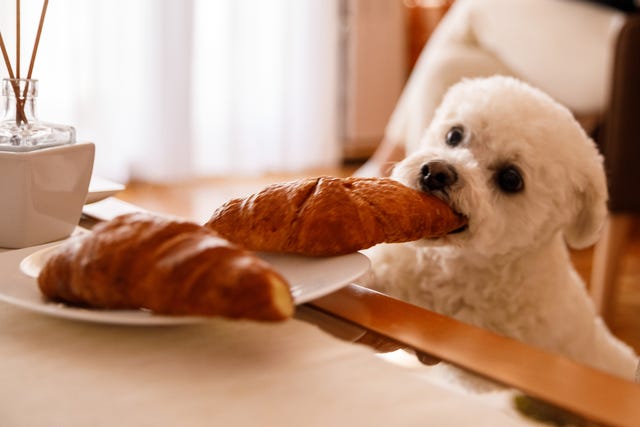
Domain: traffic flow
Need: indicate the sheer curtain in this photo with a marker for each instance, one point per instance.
(169, 89)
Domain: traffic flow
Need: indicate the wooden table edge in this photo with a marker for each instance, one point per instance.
(580, 389)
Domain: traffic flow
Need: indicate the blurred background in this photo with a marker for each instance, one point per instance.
(175, 89)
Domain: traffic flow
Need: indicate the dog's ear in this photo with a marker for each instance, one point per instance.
(590, 197)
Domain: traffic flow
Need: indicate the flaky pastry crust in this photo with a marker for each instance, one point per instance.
(333, 216)
(167, 266)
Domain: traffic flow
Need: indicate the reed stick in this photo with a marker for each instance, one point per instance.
(32, 62)
(37, 42)
(7, 61)
(18, 38)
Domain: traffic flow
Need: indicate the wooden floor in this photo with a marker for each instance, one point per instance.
(197, 199)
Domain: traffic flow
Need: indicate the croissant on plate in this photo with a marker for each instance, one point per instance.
(332, 216)
(167, 266)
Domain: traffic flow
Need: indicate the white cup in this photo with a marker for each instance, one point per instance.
(42, 193)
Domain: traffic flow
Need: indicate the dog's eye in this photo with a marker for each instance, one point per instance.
(509, 179)
(454, 136)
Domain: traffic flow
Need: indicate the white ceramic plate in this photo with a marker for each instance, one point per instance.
(310, 278)
(101, 188)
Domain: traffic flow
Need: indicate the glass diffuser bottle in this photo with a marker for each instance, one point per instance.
(20, 128)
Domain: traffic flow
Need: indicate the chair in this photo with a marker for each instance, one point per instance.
(619, 140)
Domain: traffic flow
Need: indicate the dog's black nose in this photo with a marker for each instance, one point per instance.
(437, 175)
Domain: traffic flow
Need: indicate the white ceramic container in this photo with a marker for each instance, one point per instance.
(42, 193)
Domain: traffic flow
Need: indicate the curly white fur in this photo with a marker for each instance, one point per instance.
(510, 271)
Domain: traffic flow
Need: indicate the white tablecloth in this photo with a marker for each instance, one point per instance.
(58, 372)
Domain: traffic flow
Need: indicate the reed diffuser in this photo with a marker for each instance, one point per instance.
(20, 128)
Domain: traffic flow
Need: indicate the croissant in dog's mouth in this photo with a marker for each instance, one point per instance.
(329, 216)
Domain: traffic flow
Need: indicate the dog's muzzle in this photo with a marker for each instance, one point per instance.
(437, 175)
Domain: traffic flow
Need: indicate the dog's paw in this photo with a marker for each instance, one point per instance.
(548, 413)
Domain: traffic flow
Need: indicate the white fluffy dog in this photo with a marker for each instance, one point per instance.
(529, 179)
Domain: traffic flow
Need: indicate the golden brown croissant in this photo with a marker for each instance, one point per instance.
(167, 266)
(332, 216)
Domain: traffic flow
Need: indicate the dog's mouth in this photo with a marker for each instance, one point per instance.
(463, 221)
(443, 194)
(463, 225)
(444, 238)
(460, 230)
